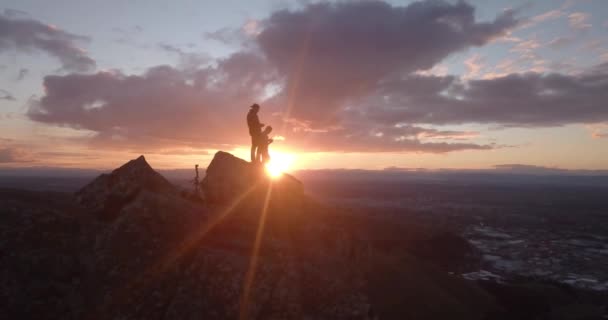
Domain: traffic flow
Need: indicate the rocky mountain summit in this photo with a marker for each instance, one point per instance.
(130, 245)
(229, 177)
(108, 193)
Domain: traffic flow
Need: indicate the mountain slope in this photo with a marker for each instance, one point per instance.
(257, 248)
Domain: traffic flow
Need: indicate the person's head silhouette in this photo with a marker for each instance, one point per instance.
(255, 107)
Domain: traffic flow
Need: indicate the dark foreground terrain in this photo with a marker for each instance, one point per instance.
(131, 245)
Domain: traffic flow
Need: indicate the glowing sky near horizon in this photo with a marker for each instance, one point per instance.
(369, 85)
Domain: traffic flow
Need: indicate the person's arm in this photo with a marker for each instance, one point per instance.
(270, 141)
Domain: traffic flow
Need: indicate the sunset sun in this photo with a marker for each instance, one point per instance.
(279, 164)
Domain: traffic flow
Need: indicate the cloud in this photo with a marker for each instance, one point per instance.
(187, 60)
(168, 108)
(543, 17)
(27, 35)
(561, 42)
(359, 136)
(598, 130)
(527, 47)
(163, 107)
(330, 77)
(236, 37)
(579, 20)
(526, 100)
(13, 154)
(329, 53)
(549, 15)
(5, 95)
(437, 70)
(474, 65)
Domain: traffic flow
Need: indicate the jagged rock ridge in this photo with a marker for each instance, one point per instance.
(108, 193)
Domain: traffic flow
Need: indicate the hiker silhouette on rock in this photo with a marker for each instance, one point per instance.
(263, 142)
(255, 131)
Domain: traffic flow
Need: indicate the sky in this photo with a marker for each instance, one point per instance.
(347, 84)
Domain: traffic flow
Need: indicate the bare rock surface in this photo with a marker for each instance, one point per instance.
(106, 195)
(228, 178)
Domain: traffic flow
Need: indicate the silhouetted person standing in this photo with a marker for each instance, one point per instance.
(255, 130)
(263, 143)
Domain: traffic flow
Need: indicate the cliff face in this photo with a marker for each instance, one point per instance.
(255, 249)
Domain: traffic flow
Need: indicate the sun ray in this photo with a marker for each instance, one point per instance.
(250, 275)
(279, 164)
(186, 245)
(292, 91)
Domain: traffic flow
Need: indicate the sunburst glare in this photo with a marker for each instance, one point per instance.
(278, 164)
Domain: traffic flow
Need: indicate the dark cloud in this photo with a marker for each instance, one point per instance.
(359, 135)
(26, 35)
(163, 107)
(330, 53)
(171, 108)
(5, 95)
(525, 100)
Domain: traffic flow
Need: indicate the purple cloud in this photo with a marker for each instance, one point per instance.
(524, 100)
(330, 53)
(168, 107)
(330, 77)
(165, 106)
(26, 35)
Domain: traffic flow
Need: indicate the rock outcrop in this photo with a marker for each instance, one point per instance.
(108, 193)
(257, 249)
(228, 178)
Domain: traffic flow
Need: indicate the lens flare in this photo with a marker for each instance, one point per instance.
(279, 164)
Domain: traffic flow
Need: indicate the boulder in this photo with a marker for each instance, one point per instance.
(228, 178)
